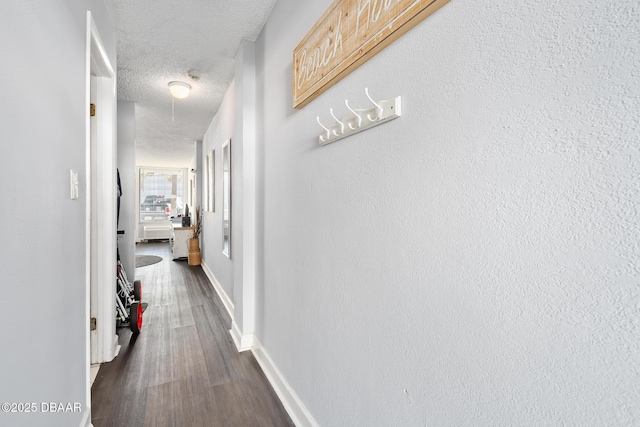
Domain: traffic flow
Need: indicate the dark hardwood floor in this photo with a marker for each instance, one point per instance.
(183, 368)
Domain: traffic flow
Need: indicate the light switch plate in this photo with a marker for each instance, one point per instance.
(73, 180)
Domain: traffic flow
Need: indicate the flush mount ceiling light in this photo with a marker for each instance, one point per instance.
(179, 89)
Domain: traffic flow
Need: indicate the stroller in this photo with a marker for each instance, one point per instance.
(129, 307)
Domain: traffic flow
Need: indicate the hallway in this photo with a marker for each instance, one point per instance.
(183, 369)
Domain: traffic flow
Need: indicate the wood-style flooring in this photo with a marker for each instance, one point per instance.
(183, 368)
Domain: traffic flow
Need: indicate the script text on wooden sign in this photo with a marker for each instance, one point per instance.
(348, 34)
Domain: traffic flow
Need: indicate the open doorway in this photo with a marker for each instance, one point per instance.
(100, 202)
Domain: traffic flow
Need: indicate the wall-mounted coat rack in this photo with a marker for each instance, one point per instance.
(358, 120)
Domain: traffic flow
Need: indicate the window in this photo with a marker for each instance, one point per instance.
(161, 193)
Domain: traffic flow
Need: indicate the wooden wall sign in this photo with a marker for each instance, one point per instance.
(348, 34)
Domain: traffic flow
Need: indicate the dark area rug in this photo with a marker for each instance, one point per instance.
(144, 260)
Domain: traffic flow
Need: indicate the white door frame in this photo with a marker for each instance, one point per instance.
(102, 344)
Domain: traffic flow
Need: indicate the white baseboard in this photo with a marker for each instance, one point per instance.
(86, 418)
(242, 342)
(116, 346)
(93, 370)
(228, 304)
(299, 414)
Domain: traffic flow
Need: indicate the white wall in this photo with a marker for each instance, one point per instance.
(43, 290)
(235, 121)
(127, 168)
(197, 176)
(243, 203)
(475, 262)
(220, 130)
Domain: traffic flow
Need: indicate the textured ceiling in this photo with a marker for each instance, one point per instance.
(161, 40)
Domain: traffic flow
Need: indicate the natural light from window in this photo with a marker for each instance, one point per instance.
(161, 194)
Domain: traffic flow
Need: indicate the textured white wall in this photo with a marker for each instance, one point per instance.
(42, 259)
(220, 129)
(235, 120)
(476, 261)
(243, 151)
(127, 168)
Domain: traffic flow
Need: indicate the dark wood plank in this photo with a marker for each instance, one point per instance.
(183, 369)
(201, 408)
(162, 407)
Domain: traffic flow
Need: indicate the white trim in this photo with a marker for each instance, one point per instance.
(100, 250)
(292, 404)
(100, 190)
(86, 418)
(242, 342)
(87, 219)
(116, 346)
(299, 414)
(228, 304)
(94, 372)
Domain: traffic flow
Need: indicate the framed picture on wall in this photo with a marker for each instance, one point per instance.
(212, 181)
(205, 184)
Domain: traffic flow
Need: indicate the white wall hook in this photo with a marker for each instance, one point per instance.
(328, 133)
(357, 120)
(339, 123)
(378, 107)
(357, 116)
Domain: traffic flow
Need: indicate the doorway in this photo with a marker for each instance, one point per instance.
(100, 201)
